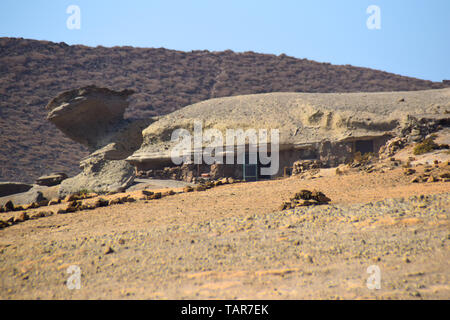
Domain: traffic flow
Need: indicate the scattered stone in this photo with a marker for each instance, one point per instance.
(54, 202)
(200, 188)
(131, 199)
(3, 224)
(33, 205)
(88, 207)
(303, 194)
(301, 166)
(71, 197)
(306, 198)
(303, 203)
(308, 257)
(209, 185)
(80, 196)
(43, 203)
(21, 217)
(415, 180)
(320, 197)
(124, 198)
(18, 208)
(285, 206)
(73, 206)
(41, 214)
(108, 250)
(409, 171)
(155, 196)
(224, 181)
(147, 193)
(101, 203)
(445, 175)
(115, 201)
(376, 259)
(391, 147)
(9, 206)
(188, 189)
(51, 180)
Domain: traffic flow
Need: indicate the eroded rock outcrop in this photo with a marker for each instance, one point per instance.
(9, 188)
(322, 121)
(94, 117)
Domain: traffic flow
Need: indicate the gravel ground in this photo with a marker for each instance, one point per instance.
(231, 242)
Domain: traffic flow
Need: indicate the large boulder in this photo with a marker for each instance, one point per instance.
(8, 188)
(32, 195)
(100, 176)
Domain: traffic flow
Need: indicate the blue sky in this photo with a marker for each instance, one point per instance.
(414, 38)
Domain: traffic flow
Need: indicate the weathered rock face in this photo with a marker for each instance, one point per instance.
(93, 117)
(8, 188)
(303, 119)
(89, 115)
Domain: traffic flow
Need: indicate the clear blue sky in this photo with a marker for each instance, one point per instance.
(414, 38)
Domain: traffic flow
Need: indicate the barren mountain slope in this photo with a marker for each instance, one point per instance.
(32, 72)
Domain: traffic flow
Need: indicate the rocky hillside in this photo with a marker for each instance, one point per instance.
(32, 72)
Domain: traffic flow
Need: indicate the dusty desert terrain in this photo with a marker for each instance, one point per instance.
(232, 242)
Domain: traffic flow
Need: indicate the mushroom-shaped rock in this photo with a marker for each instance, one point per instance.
(87, 115)
(93, 116)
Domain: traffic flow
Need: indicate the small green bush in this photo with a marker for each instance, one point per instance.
(427, 145)
(82, 192)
